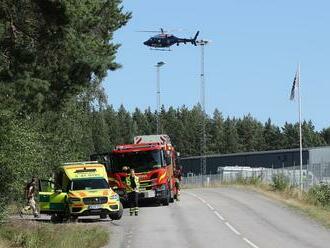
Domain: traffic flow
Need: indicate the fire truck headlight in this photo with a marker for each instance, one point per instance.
(162, 187)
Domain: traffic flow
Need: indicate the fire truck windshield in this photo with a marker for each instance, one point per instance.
(139, 161)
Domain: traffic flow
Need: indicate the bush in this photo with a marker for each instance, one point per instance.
(3, 210)
(20, 158)
(254, 180)
(320, 195)
(280, 182)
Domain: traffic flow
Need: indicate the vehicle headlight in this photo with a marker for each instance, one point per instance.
(114, 197)
(162, 187)
(74, 199)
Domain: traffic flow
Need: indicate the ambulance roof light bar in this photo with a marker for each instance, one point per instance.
(81, 162)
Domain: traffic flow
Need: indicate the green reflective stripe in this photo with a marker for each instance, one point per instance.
(44, 198)
(56, 206)
(84, 178)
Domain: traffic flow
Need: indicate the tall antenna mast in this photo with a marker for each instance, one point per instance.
(158, 65)
(202, 43)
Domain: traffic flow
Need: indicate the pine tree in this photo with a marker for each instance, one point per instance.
(152, 120)
(325, 134)
(125, 122)
(62, 49)
(250, 132)
(173, 127)
(231, 137)
(142, 124)
(291, 135)
(217, 133)
(273, 136)
(310, 137)
(112, 122)
(100, 132)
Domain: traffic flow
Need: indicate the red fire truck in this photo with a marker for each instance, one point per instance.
(154, 160)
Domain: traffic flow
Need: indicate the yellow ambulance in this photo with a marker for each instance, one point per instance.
(79, 189)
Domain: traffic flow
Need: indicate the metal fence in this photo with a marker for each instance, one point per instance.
(312, 174)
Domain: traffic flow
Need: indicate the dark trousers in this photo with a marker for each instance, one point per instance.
(133, 198)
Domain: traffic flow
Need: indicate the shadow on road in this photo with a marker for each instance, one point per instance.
(46, 219)
(145, 203)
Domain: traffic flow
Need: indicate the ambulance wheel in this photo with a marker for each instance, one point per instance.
(103, 216)
(57, 218)
(117, 214)
(74, 218)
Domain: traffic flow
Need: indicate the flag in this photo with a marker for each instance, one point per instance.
(295, 84)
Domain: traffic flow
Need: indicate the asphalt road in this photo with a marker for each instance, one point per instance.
(220, 217)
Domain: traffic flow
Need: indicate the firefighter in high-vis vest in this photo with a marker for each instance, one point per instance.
(133, 185)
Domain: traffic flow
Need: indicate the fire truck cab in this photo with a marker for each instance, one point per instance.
(154, 160)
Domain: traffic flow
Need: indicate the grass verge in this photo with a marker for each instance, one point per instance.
(28, 234)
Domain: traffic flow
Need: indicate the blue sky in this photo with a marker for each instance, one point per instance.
(249, 66)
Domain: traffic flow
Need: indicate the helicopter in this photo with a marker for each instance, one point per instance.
(165, 40)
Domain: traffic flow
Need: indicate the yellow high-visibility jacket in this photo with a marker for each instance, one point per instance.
(128, 183)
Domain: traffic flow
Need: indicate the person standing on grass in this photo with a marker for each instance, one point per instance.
(30, 192)
(133, 185)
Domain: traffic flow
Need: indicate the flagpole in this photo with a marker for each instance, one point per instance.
(300, 132)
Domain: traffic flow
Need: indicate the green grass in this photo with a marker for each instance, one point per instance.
(32, 234)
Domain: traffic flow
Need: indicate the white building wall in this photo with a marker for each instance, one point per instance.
(319, 155)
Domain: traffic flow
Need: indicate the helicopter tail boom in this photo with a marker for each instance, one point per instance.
(193, 41)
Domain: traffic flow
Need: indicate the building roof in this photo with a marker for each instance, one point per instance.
(258, 152)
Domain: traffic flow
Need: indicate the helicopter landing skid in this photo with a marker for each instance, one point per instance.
(159, 49)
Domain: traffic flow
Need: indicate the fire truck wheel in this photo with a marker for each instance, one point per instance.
(166, 201)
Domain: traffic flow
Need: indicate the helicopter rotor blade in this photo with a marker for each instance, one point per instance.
(148, 31)
(177, 30)
(162, 30)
